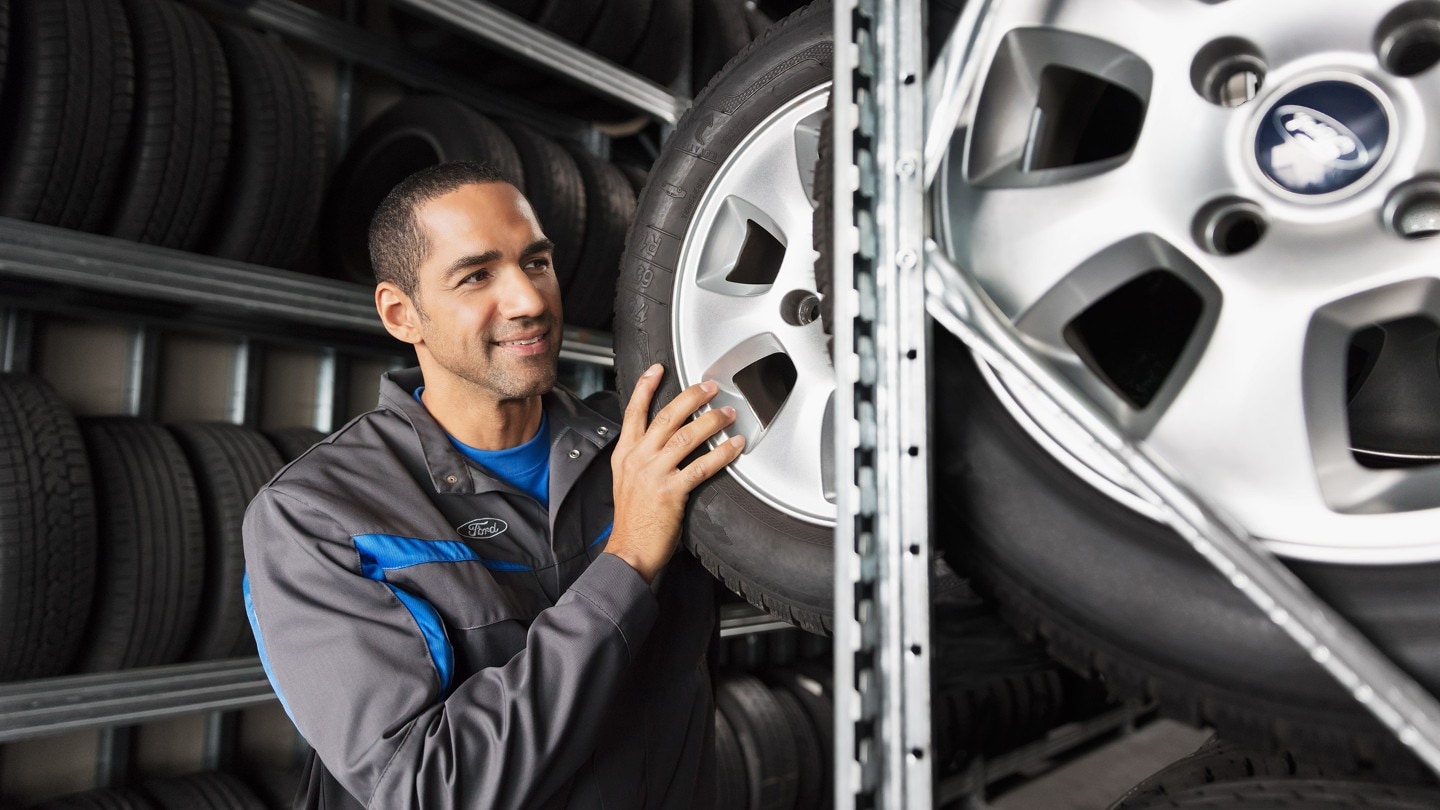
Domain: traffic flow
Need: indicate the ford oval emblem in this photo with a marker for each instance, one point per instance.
(483, 528)
(1322, 137)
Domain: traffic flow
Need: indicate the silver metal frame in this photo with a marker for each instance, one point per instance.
(884, 754)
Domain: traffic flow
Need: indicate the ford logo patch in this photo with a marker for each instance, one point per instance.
(482, 528)
(1322, 137)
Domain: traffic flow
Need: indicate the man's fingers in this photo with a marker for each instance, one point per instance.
(691, 436)
(673, 416)
(704, 468)
(638, 410)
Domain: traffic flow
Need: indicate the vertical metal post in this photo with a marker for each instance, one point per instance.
(346, 101)
(247, 375)
(332, 391)
(143, 375)
(17, 340)
(884, 756)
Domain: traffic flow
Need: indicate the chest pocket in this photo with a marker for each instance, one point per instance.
(484, 607)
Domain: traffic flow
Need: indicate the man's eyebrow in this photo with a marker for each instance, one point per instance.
(538, 246)
(466, 262)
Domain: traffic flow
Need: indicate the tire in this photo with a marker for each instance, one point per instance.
(732, 788)
(609, 208)
(416, 133)
(152, 555)
(720, 33)
(1216, 761)
(1298, 794)
(103, 799)
(1033, 531)
(618, 29)
(293, 442)
(207, 790)
(276, 170)
(556, 189)
(816, 700)
(230, 464)
(811, 771)
(778, 561)
(766, 743)
(47, 532)
(656, 57)
(180, 136)
(67, 112)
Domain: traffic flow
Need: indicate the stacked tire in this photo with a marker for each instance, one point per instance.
(120, 538)
(139, 119)
(584, 204)
(207, 790)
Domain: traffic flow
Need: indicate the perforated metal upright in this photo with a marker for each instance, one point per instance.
(884, 756)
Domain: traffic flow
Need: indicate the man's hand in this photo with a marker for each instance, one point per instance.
(650, 486)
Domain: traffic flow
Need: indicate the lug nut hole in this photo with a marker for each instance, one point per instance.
(1228, 72)
(1229, 226)
(1413, 210)
(1408, 40)
(800, 308)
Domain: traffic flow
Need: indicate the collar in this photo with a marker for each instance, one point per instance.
(572, 421)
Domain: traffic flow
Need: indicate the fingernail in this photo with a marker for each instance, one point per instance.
(728, 411)
(709, 386)
(738, 441)
(652, 371)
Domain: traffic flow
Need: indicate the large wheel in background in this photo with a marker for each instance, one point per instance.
(718, 282)
(47, 532)
(414, 134)
(1261, 316)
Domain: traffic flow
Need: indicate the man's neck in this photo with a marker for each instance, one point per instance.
(480, 421)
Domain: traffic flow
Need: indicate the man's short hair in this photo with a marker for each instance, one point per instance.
(398, 243)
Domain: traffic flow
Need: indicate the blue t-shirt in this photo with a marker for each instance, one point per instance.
(526, 467)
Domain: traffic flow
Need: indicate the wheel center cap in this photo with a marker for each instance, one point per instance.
(1322, 138)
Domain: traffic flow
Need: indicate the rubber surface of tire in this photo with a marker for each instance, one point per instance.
(47, 532)
(1299, 794)
(732, 786)
(230, 464)
(618, 29)
(720, 33)
(1078, 569)
(207, 790)
(180, 135)
(659, 56)
(1217, 761)
(557, 192)
(609, 209)
(152, 548)
(293, 442)
(102, 799)
(778, 563)
(814, 697)
(276, 171)
(411, 135)
(809, 757)
(66, 112)
(766, 743)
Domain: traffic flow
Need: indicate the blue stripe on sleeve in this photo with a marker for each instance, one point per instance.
(603, 535)
(387, 552)
(433, 629)
(260, 645)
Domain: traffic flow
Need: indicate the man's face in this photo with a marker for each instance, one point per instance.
(488, 301)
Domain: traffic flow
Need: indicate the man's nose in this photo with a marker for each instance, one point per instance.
(519, 295)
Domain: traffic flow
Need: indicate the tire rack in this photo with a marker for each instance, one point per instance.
(42, 268)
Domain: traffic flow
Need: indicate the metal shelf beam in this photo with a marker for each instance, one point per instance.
(105, 265)
(73, 702)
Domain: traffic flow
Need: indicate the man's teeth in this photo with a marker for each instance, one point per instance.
(526, 342)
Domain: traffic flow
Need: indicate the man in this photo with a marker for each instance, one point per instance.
(466, 598)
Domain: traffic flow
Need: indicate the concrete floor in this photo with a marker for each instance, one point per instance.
(1096, 779)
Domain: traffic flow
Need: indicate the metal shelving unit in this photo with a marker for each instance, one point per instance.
(884, 755)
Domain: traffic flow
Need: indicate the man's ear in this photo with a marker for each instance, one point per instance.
(397, 312)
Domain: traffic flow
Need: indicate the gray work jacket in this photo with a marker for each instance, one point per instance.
(444, 641)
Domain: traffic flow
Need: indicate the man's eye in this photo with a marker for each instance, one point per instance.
(477, 276)
(538, 264)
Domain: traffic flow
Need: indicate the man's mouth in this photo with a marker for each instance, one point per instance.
(525, 342)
